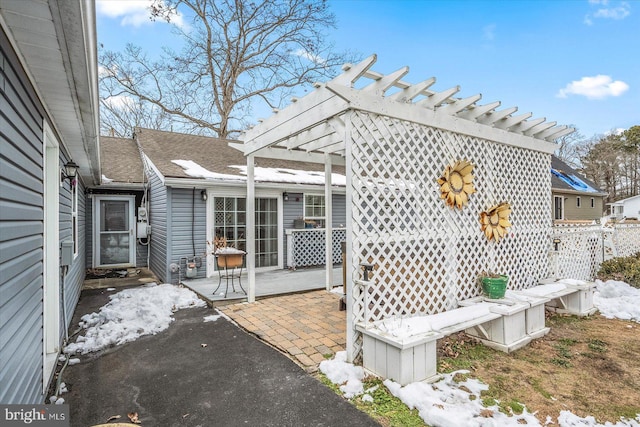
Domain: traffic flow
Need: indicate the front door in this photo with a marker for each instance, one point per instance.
(114, 240)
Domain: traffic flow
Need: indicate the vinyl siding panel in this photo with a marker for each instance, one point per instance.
(158, 221)
(21, 233)
(188, 229)
(585, 211)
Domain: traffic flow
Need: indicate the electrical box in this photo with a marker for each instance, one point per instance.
(66, 252)
(142, 230)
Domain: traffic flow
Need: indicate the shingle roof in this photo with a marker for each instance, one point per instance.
(211, 153)
(121, 162)
(559, 184)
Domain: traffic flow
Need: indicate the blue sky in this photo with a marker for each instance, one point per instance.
(574, 62)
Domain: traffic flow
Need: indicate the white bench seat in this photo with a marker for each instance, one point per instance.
(565, 296)
(404, 349)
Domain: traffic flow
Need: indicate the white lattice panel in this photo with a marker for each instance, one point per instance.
(427, 256)
(309, 247)
(582, 248)
(626, 239)
(580, 251)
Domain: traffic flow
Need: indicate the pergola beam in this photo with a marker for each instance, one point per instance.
(438, 98)
(494, 116)
(407, 94)
(508, 122)
(293, 155)
(477, 111)
(383, 84)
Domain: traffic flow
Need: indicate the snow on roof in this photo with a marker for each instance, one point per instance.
(262, 174)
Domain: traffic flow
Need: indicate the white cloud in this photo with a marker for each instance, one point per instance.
(621, 11)
(120, 102)
(596, 87)
(489, 32)
(317, 59)
(132, 12)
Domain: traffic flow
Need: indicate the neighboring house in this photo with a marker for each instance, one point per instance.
(114, 214)
(574, 197)
(625, 208)
(197, 192)
(48, 117)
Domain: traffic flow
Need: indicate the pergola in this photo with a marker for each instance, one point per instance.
(394, 139)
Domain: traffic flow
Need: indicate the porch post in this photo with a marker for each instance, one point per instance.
(328, 223)
(251, 229)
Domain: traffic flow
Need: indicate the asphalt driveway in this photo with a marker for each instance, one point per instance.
(198, 373)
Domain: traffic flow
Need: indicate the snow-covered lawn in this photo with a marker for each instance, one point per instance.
(130, 314)
(448, 403)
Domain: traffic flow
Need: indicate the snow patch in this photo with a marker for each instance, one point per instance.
(130, 314)
(618, 300)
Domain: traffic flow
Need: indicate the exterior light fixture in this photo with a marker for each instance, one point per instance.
(69, 171)
(556, 243)
(203, 194)
(285, 196)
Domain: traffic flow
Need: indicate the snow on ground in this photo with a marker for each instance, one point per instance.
(617, 300)
(130, 314)
(212, 318)
(447, 403)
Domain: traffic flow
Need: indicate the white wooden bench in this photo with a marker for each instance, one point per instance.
(404, 349)
(565, 295)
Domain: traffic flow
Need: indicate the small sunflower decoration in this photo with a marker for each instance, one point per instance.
(456, 184)
(495, 221)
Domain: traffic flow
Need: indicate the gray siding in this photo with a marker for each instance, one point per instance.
(188, 229)
(72, 284)
(21, 233)
(158, 208)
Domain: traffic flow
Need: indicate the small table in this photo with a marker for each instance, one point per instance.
(229, 259)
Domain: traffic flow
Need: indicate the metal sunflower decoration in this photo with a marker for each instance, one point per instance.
(456, 184)
(495, 221)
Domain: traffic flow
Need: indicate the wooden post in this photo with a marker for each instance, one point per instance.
(328, 224)
(251, 229)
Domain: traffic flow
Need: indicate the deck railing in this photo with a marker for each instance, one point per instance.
(306, 246)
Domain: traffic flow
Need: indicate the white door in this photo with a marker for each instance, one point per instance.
(114, 241)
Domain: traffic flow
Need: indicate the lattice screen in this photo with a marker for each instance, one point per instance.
(626, 239)
(580, 250)
(309, 247)
(427, 256)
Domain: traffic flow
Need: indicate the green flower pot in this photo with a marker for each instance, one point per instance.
(495, 287)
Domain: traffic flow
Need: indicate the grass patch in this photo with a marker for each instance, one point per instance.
(537, 386)
(597, 346)
(456, 354)
(385, 408)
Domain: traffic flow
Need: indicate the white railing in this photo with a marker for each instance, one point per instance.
(306, 246)
(578, 250)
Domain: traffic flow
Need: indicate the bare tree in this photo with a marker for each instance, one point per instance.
(570, 148)
(234, 54)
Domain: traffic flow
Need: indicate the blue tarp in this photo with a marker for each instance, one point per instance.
(573, 181)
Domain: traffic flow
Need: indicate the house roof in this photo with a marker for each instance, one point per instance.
(565, 178)
(121, 162)
(57, 43)
(184, 156)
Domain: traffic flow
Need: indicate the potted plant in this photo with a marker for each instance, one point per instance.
(493, 285)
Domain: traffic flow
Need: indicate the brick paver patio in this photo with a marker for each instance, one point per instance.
(306, 326)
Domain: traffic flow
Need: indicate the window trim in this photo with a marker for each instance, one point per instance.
(304, 208)
(561, 199)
